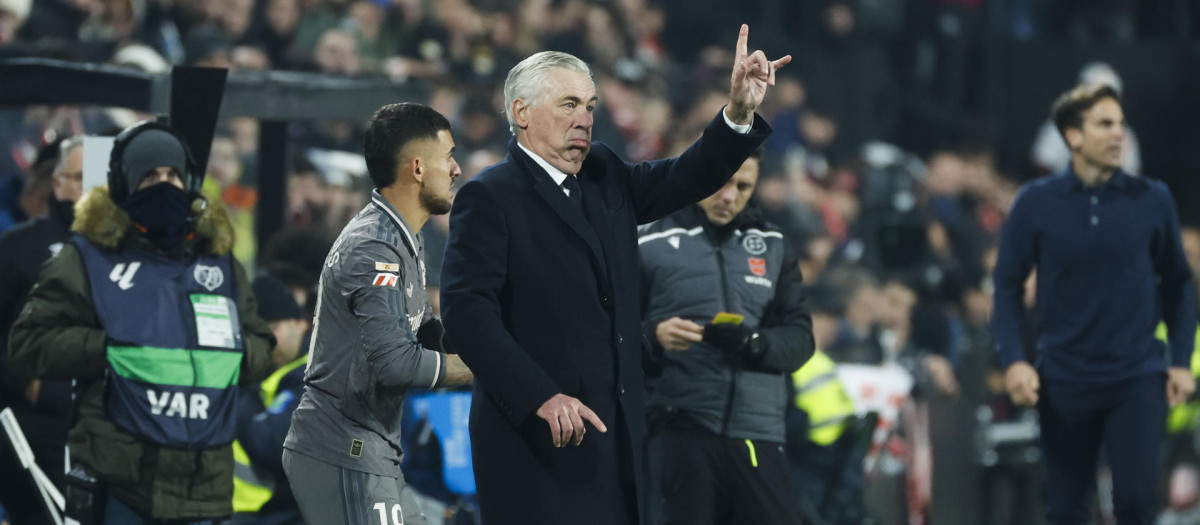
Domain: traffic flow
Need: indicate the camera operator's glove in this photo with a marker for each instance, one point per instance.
(735, 341)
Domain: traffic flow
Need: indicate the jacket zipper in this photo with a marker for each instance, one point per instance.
(733, 375)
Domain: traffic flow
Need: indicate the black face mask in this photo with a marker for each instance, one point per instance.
(163, 210)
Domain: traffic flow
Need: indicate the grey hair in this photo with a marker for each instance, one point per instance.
(525, 80)
(64, 151)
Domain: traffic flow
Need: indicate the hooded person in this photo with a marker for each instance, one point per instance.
(147, 311)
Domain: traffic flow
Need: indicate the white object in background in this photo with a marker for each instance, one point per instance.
(55, 503)
(96, 151)
(881, 389)
(337, 167)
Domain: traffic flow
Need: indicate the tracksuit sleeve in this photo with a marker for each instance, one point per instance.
(787, 326)
(378, 302)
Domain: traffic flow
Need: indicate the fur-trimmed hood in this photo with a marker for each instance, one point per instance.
(99, 219)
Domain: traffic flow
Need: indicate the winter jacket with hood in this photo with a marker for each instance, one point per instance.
(58, 336)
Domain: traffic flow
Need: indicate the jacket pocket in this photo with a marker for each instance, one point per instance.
(113, 456)
(760, 394)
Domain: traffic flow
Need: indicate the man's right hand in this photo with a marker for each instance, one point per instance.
(565, 415)
(1021, 381)
(677, 334)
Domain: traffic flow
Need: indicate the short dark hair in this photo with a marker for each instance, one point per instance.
(392, 128)
(1068, 109)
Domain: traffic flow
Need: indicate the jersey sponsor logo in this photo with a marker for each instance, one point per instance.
(178, 404)
(209, 277)
(387, 267)
(123, 275)
(408, 290)
(754, 244)
(760, 281)
(758, 266)
(414, 322)
(385, 279)
(333, 259)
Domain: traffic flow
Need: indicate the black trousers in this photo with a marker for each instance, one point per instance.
(711, 480)
(1127, 418)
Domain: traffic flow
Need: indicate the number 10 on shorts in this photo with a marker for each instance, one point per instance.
(397, 514)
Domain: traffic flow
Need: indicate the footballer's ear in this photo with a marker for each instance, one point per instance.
(409, 167)
(417, 168)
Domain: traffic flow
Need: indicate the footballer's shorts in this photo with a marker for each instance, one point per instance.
(329, 494)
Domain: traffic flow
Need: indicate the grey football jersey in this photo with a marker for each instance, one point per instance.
(364, 352)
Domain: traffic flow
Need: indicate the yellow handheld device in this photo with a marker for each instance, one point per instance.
(728, 318)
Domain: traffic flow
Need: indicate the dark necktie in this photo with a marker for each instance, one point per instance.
(571, 183)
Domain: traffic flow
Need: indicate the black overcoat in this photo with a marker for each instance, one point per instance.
(542, 298)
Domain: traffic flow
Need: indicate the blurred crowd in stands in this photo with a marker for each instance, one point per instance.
(897, 223)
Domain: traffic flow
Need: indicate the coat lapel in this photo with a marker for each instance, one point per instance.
(596, 211)
(562, 206)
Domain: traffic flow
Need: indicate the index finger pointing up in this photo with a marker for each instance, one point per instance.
(743, 35)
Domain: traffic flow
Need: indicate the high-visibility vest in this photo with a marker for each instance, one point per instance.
(254, 486)
(1184, 416)
(821, 395)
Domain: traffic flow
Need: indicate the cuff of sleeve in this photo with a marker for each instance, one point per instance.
(1006, 360)
(1182, 359)
(740, 128)
(649, 330)
(439, 376)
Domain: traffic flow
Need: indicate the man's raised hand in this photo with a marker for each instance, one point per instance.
(752, 73)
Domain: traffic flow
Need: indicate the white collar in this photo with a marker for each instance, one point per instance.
(558, 175)
(387, 208)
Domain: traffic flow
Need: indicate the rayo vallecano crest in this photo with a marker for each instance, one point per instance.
(209, 277)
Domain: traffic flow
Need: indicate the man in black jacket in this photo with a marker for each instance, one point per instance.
(42, 407)
(717, 409)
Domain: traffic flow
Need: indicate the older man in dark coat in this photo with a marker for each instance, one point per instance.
(540, 291)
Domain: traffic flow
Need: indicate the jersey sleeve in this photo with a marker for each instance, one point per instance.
(374, 289)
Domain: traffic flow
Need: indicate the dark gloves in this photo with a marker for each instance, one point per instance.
(432, 335)
(735, 340)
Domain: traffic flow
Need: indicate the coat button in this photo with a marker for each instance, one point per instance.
(621, 388)
(606, 301)
(620, 339)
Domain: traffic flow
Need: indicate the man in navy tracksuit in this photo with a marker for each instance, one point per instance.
(1110, 266)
